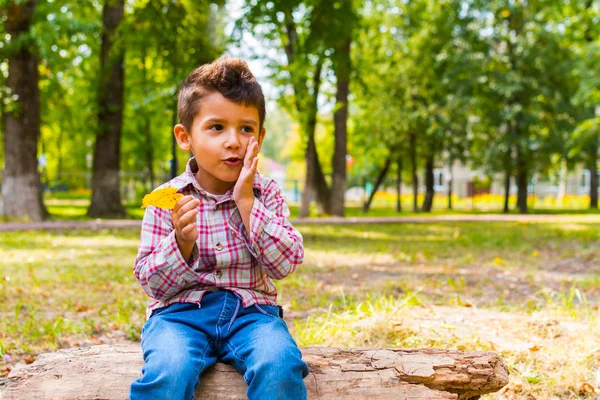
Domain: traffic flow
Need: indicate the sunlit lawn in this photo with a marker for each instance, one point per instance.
(75, 209)
(529, 291)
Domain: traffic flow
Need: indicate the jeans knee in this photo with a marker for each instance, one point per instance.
(280, 364)
(171, 376)
(280, 377)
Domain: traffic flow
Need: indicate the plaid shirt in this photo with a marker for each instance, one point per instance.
(225, 256)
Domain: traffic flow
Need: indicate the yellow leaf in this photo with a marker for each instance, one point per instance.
(162, 198)
(535, 347)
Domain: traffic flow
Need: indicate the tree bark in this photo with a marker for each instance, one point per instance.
(319, 182)
(399, 184)
(307, 106)
(378, 182)
(106, 371)
(522, 180)
(310, 185)
(106, 196)
(429, 183)
(593, 148)
(21, 186)
(415, 177)
(310, 156)
(174, 161)
(149, 148)
(340, 118)
(506, 208)
(149, 153)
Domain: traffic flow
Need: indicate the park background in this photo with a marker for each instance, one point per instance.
(389, 109)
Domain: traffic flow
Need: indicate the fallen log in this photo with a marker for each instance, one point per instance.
(106, 371)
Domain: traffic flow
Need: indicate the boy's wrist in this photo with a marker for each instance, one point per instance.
(186, 248)
(245, 203)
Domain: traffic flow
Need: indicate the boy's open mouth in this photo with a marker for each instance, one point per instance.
(232, 161)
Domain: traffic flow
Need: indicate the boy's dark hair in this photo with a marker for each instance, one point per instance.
(229, 76)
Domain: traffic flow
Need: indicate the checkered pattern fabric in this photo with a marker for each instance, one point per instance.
(225, 255)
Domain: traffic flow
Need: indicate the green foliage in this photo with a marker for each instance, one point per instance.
(476, 81)
(161, 52)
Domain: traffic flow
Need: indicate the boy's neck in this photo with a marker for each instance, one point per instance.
(215, 190)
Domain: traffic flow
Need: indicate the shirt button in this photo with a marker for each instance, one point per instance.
(219, 247)
(219, 274)
(215, 208)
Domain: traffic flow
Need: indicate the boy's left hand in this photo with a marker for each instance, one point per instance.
(242, 191)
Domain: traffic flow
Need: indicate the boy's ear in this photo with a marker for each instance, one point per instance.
(183, 137)
(261, 137)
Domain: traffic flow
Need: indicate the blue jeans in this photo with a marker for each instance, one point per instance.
(180, 341)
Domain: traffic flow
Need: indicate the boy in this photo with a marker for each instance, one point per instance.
(209, 263)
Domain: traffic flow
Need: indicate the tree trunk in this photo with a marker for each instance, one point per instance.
(380, 179)
(149, 148)
(506, 208)
(399, 185)
(149, 153)
(106, 371)
(450, 183)
(307, 106)
(322, 190)
(593, 148)
(106, 196)
(429, 183)
(173, 166)
(340, 118)
(59, 144)
(415, 177)
(507, 176)
(593, 166)
(521, 182)
(310, 156)
(309, 185)
(21, 186)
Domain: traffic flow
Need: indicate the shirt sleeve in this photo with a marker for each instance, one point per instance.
(273, 241)
(159, 266)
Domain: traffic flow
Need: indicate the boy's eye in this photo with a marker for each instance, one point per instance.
(247, 129)
(216, 127)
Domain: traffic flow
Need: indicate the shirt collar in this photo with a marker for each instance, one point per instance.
(188, 178)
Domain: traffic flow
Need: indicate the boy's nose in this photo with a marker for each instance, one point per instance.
(232, 140)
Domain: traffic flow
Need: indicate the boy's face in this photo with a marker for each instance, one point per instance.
(218, 139)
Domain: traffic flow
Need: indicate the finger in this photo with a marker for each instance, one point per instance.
(190, 204)
(255, 149)
(182, 216)
(254, 164)
(188, 230)
(248, 157)
(182, 201)
(189, 218)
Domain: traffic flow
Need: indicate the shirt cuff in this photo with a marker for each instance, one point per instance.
(182, 269)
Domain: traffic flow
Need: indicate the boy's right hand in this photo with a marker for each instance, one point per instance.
(184, 222)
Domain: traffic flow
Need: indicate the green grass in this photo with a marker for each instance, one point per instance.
(76, 210)
(529, 291)
(69, 206)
